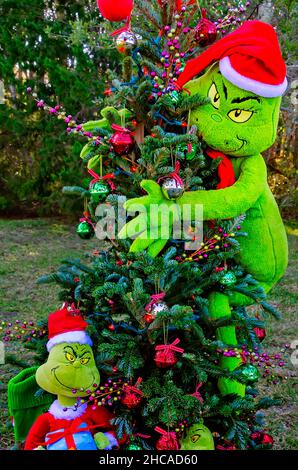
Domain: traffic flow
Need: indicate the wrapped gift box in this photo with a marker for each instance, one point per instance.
(71, 439)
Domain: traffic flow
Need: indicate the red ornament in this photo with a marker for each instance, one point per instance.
(165, 359)
(165, 354)
(122, 140)
(108, 92)
(260, 333)
(132, 395)
(148, 318)
(261, 437)
(167, 441)
(115, 10)
(267, 439)
(205, 31)
(227, 445)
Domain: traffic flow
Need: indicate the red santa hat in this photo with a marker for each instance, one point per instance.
(67, 326)
(249, 58)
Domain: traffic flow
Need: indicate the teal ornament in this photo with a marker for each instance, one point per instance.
(182, 66)
(189, 150)
(175, 97)
(85, 230)
(228, 279)
(99, 191)
(250, 372)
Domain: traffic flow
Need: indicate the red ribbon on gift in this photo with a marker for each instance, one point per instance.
(170, 347)
(68, 433)
(174, 175)
(133, 388)
(108, 178)
(155, 298)
(197, 394)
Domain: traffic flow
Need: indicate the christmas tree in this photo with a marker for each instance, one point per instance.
(182, 364)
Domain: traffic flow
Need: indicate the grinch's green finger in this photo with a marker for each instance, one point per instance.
(140, 244)
(134, 227)
(138, 204)
(152, 188)
(156, 247)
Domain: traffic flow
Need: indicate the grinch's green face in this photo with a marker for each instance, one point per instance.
(69, 371)
(236, 122)
(198, 438)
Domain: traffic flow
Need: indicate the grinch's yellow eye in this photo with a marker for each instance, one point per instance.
(214, 96)
(84, 360)
(240, 115)
(195, 437)
(70, 357)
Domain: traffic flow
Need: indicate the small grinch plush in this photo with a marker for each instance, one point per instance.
(198, 437)
(70, 372)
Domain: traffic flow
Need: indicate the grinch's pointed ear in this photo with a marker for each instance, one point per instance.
(195, 86)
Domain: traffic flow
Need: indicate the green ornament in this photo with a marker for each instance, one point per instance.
(228, 279)
(99, 191)
(189, 150)
(85, 230)
(198, 437)
(134, 447)
(250, 372)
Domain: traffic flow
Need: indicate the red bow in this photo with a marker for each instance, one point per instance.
(107, 178)
(197, 394)
(154, 299)
(173, 175)
(124, 28)
(86, 218)
(73, 309)
(169, 347)
(117, 128)
(133, 388)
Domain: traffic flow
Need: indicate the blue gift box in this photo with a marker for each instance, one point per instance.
(83, 440)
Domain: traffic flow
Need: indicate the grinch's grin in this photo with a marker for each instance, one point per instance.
(53, 370)
(243, 142)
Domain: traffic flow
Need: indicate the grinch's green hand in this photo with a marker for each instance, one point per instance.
(152, 228)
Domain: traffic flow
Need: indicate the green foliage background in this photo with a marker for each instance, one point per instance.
(42, 44)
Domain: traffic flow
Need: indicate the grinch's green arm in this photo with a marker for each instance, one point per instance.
(235, 200)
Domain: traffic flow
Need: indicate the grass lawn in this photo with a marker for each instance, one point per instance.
(32, 247)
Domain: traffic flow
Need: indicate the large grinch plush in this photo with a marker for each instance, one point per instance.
(70, 372)
(244, 82)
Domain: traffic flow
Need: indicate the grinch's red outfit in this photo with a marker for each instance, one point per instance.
(66, 423)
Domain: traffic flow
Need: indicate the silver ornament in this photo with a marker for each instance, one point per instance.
(128, 40)
(172, 189)
(158, 307)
